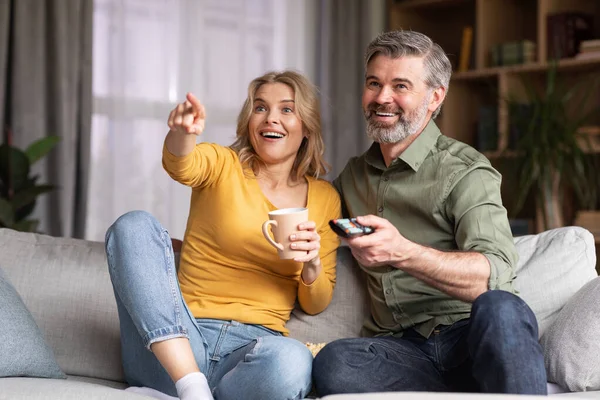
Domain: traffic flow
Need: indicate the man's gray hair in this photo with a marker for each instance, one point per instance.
(395, 44)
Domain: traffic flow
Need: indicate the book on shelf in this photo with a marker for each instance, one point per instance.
(589, 130)
(513, 53)
(465, 49)
(587, 46)
(565, 32)
(588, 138)
(588, 56)
(588, 49)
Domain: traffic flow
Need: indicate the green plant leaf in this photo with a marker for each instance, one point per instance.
(26, 225)
(548, 141)
(40, 148)
(29, 195)
(14, 167)
(7, 215)
(25, 211)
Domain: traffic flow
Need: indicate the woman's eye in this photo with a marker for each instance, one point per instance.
(259, 108)
(287, 110)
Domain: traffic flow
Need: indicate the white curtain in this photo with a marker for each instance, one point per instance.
(346, 27)
(147, 55)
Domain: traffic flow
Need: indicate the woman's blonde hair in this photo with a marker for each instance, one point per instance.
(309, 159)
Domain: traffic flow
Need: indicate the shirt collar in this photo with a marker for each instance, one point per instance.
(415, 153)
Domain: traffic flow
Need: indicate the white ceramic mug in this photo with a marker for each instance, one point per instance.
(283, 223)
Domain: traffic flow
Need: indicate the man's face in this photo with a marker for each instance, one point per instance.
(396, 101)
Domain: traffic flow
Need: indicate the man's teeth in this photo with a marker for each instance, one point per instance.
(380, 114)
(272, 134)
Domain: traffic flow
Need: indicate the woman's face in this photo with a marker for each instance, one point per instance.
(275, 128)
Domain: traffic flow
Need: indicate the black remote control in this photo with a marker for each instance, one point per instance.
(349, 228)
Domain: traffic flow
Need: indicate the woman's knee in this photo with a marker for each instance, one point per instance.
(132, 241)
(277, 368)
(288, 358)
(131, 224)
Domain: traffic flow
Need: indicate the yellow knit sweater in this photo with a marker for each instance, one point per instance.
(228, 271)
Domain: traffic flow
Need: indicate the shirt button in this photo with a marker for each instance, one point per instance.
(380, 209)
(388, 291)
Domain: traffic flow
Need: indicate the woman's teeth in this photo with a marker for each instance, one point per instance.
(273, 135)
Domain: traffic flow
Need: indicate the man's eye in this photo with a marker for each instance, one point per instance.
(401, 86)
(374, 84)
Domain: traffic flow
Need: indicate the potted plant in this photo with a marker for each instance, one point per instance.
(545, 129)
(18, 188)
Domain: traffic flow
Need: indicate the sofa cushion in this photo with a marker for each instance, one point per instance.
(64, 389)
(65, 285)
(347, 312)
(552, 267)
(571, 345)
(23, 349)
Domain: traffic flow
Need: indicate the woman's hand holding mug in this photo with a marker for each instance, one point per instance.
(307, 239)
(294, 236)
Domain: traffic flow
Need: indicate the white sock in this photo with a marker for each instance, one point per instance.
(193, 386)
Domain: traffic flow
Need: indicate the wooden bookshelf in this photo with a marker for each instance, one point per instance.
(571, 65)
(494, 22)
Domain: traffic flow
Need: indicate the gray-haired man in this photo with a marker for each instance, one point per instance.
(440, 264)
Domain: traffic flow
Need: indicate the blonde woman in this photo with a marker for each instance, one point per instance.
(216, 327)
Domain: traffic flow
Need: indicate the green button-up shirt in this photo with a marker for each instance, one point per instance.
(439, 193)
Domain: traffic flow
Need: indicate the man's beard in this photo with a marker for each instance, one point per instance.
(406, 125)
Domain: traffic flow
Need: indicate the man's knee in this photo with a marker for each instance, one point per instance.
(333, 354)
(502, 311)
(335, 365)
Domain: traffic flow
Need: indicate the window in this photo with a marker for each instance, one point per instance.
(147, 55)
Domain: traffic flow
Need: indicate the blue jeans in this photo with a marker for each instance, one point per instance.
(240, 361)
(495, 351)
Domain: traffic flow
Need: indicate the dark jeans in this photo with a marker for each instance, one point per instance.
(495, 351)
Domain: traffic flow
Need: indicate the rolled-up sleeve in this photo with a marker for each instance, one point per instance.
(474, 203)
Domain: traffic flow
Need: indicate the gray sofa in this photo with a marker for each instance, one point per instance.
(65, 285)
